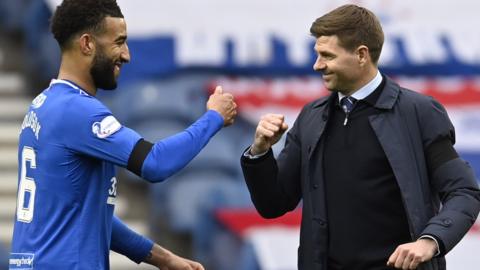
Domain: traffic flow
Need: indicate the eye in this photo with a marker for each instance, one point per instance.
(328, 56)
(325, 56)
(120, 41)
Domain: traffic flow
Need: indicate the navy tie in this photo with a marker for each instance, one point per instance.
(347, 104)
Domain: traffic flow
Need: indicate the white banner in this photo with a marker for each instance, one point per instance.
(428, 32)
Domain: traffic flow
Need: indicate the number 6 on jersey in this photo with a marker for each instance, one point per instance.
(26, 187)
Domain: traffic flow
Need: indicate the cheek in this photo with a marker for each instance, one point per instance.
(348, 69)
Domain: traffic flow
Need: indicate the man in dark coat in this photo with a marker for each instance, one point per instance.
(374, 163)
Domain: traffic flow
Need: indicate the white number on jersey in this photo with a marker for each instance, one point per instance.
(27, 185)
(113, 190)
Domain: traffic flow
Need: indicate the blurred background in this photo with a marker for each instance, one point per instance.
(260, 51)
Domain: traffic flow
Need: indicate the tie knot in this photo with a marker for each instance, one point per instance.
(347, 104)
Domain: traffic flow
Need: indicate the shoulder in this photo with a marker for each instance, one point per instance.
(413, 96)
(318, 104)
(86, 115)
(394, 95)
(430, 116)
(71, 100)
(84, 105)
(420, 102)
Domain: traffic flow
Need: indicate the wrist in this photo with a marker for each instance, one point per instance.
(255, 150)
(431, 244)
(158, 256)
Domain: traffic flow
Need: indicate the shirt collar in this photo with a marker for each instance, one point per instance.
(366, 89)
(71, 84)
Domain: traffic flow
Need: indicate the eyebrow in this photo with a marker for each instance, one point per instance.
(327, 53)
(121, 38)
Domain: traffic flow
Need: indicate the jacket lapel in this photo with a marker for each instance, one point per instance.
(390, 131)
(319, 119)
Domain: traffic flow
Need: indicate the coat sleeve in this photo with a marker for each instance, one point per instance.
(453, 181)
(274, 184)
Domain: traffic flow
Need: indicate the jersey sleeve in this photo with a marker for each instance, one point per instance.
(91, 129)
(171, 154)
(129, 243)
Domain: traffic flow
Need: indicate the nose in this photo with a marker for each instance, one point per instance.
(319, 64)
(125, 55)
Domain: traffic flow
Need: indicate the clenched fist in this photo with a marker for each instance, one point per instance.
(269, 130)
(223, 103)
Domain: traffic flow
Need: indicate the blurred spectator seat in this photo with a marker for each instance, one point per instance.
(4, 255)
(152, 99)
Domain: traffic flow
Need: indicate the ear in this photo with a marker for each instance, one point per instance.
(363, 55)
(87, 44)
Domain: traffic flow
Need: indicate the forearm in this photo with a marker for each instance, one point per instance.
(128, 242)
(173, 153)
(261, 177)
(158, 256)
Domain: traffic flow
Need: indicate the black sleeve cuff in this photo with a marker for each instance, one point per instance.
(245, 159)
(137, 157)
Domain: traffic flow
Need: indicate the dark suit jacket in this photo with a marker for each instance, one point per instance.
(407, 124)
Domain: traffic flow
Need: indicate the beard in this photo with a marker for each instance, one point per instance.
(103, 71)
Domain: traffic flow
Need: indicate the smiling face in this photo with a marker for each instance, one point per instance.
(111, 52)
(341, 69)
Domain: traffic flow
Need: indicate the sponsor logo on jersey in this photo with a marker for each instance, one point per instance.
(38, 101)
(22, 261)
(106, 127)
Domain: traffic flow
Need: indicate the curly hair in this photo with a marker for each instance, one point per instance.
(73, 16)
(354, 26)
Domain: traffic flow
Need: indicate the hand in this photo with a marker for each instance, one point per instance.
(178, 263)
(166, 260)
(223, 103)
(269, 130)
(410, 255)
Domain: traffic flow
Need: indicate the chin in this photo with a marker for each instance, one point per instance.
(108, 86)
(329, 86)
(112, 87)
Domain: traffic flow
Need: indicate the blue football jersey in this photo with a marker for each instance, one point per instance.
(68, 148)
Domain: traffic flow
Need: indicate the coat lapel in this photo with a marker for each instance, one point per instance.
(319, 122)
(390, 131)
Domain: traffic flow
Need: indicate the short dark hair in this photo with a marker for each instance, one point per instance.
(354, 26)
(73, 16)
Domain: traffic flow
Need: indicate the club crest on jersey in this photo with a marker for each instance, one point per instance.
(106, 127)
(38, 101)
